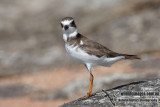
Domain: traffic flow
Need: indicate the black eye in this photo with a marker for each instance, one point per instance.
(72, 24)
(61, 25)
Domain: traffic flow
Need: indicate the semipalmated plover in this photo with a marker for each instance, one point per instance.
(86, 51)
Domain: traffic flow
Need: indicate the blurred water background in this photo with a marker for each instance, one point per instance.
(34, 67)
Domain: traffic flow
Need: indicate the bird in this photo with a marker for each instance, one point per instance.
(88, 52)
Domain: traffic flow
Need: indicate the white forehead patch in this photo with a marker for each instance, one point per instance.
(66, 22)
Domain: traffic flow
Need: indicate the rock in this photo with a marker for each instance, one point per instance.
(136, 94)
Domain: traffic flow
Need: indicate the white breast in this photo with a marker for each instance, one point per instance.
(79, 55)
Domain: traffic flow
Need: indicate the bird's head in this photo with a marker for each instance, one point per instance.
(68, 25)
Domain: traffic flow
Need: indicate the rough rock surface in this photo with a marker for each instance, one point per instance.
(136, 94)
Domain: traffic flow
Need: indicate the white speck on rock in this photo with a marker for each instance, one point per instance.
(147, 88)
(88, 101)
(102, 100)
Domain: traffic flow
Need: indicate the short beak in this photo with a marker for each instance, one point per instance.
(66, 27)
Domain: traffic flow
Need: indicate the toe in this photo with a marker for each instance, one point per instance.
(87, 96)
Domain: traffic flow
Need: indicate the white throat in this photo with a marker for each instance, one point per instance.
(69, 35)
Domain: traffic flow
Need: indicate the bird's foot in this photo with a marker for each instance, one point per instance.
(87, 96)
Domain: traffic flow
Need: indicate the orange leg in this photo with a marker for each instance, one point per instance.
(90, 87)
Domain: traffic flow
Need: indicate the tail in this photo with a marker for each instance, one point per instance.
(131, 56)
